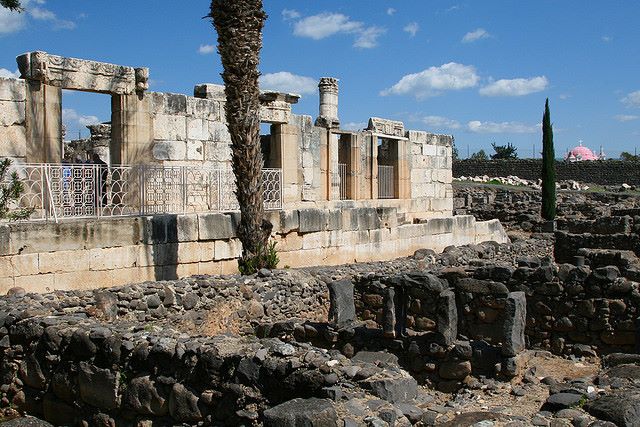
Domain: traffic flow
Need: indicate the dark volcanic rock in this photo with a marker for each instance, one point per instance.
(302, 412)
(621, 408)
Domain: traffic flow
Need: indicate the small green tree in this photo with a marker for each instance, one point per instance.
(480, 155)
(10, 190)
(548, 211)
(628, 157)
(504, 151)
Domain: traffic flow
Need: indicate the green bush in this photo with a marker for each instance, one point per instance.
(267, 257)
(10, 191)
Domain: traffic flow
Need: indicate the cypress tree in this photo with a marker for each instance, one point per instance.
(548, 167)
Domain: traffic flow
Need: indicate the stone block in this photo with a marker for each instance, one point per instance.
(418, 136)
(6, 283)
(12, 90)
(447, 314)
(207, 251)
(187, 228)
(429, 150)
(160, 229)
(169, 128)
(112, 258)
(62, 261)
(302, 412)
(215, 226)
(515, 319)
(218, 131)
(440, 225)
(6, 267)
(13, 141)
(169, 150)
(217, 151)
(290, 242)
(79, 280)
(98, 387)
(227, 249)
(342, 309)
(312, 220)
(36, 283)
(197, 128)
(25, 265)
(203, 108)
(189, 252)
(12, 113)
(195, 150)
(315, 240)
(334, 219)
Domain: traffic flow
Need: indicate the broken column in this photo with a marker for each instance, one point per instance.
(448, 316)
(514, 323)
(342, 308)
(389, 314)
(328, 116)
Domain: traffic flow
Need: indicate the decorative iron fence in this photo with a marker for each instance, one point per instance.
(344, 188)
(59, 191)
(386, 182)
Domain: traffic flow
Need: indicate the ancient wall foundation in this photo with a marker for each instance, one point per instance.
(89, 254)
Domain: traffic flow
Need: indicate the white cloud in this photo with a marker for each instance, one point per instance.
(318, 27)
(72, 119)
(391, 11)
(323, 25)
(206, 49)
(411, 28)
(434, 80)
(290, 14)
(8, 74)
(440, 122)
(626, 117)
(475, 35)
(368, 38)
(515, 87)
(353, 126)
(564, 96)
(10, 22)
(477, 126)
(42, 14)
(607, 39)
(632, 99)
(285, 81)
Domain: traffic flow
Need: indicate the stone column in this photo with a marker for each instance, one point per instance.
(514, 324)
(354, 169)
(374, 166)
(389, 314)
(131, 130)
(342, 309)
(332, 167)
(328, 115)
(447, 316)
(44, 122)
(286, 155)
(403, 174)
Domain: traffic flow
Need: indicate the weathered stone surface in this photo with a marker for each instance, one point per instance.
(342, 309)
(559, 401)
(312, 412)
(99, 387)
(622, 408)
(514, 324)
(183, 404)
(394, 389)
(143, 396)
(455, 370)
(447, 316)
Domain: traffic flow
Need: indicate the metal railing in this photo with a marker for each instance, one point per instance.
(386, 182)
(344, 187)
(59, 191)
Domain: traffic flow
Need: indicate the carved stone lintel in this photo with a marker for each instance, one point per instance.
(142, 79)
(81, 74)
(386, 127)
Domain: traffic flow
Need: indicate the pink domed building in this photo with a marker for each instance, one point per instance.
(581, 153)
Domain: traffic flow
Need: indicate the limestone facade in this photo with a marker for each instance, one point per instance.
(321, 164)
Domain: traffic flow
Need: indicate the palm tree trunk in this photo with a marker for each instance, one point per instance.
(239, 26)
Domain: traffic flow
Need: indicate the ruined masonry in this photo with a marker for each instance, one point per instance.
(336, 196)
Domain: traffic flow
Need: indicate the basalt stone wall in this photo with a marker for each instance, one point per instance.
(603, 172)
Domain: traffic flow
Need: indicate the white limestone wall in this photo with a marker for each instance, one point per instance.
(13, 131)
(431, 177)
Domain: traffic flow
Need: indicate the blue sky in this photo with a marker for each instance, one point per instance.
(477, 69)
